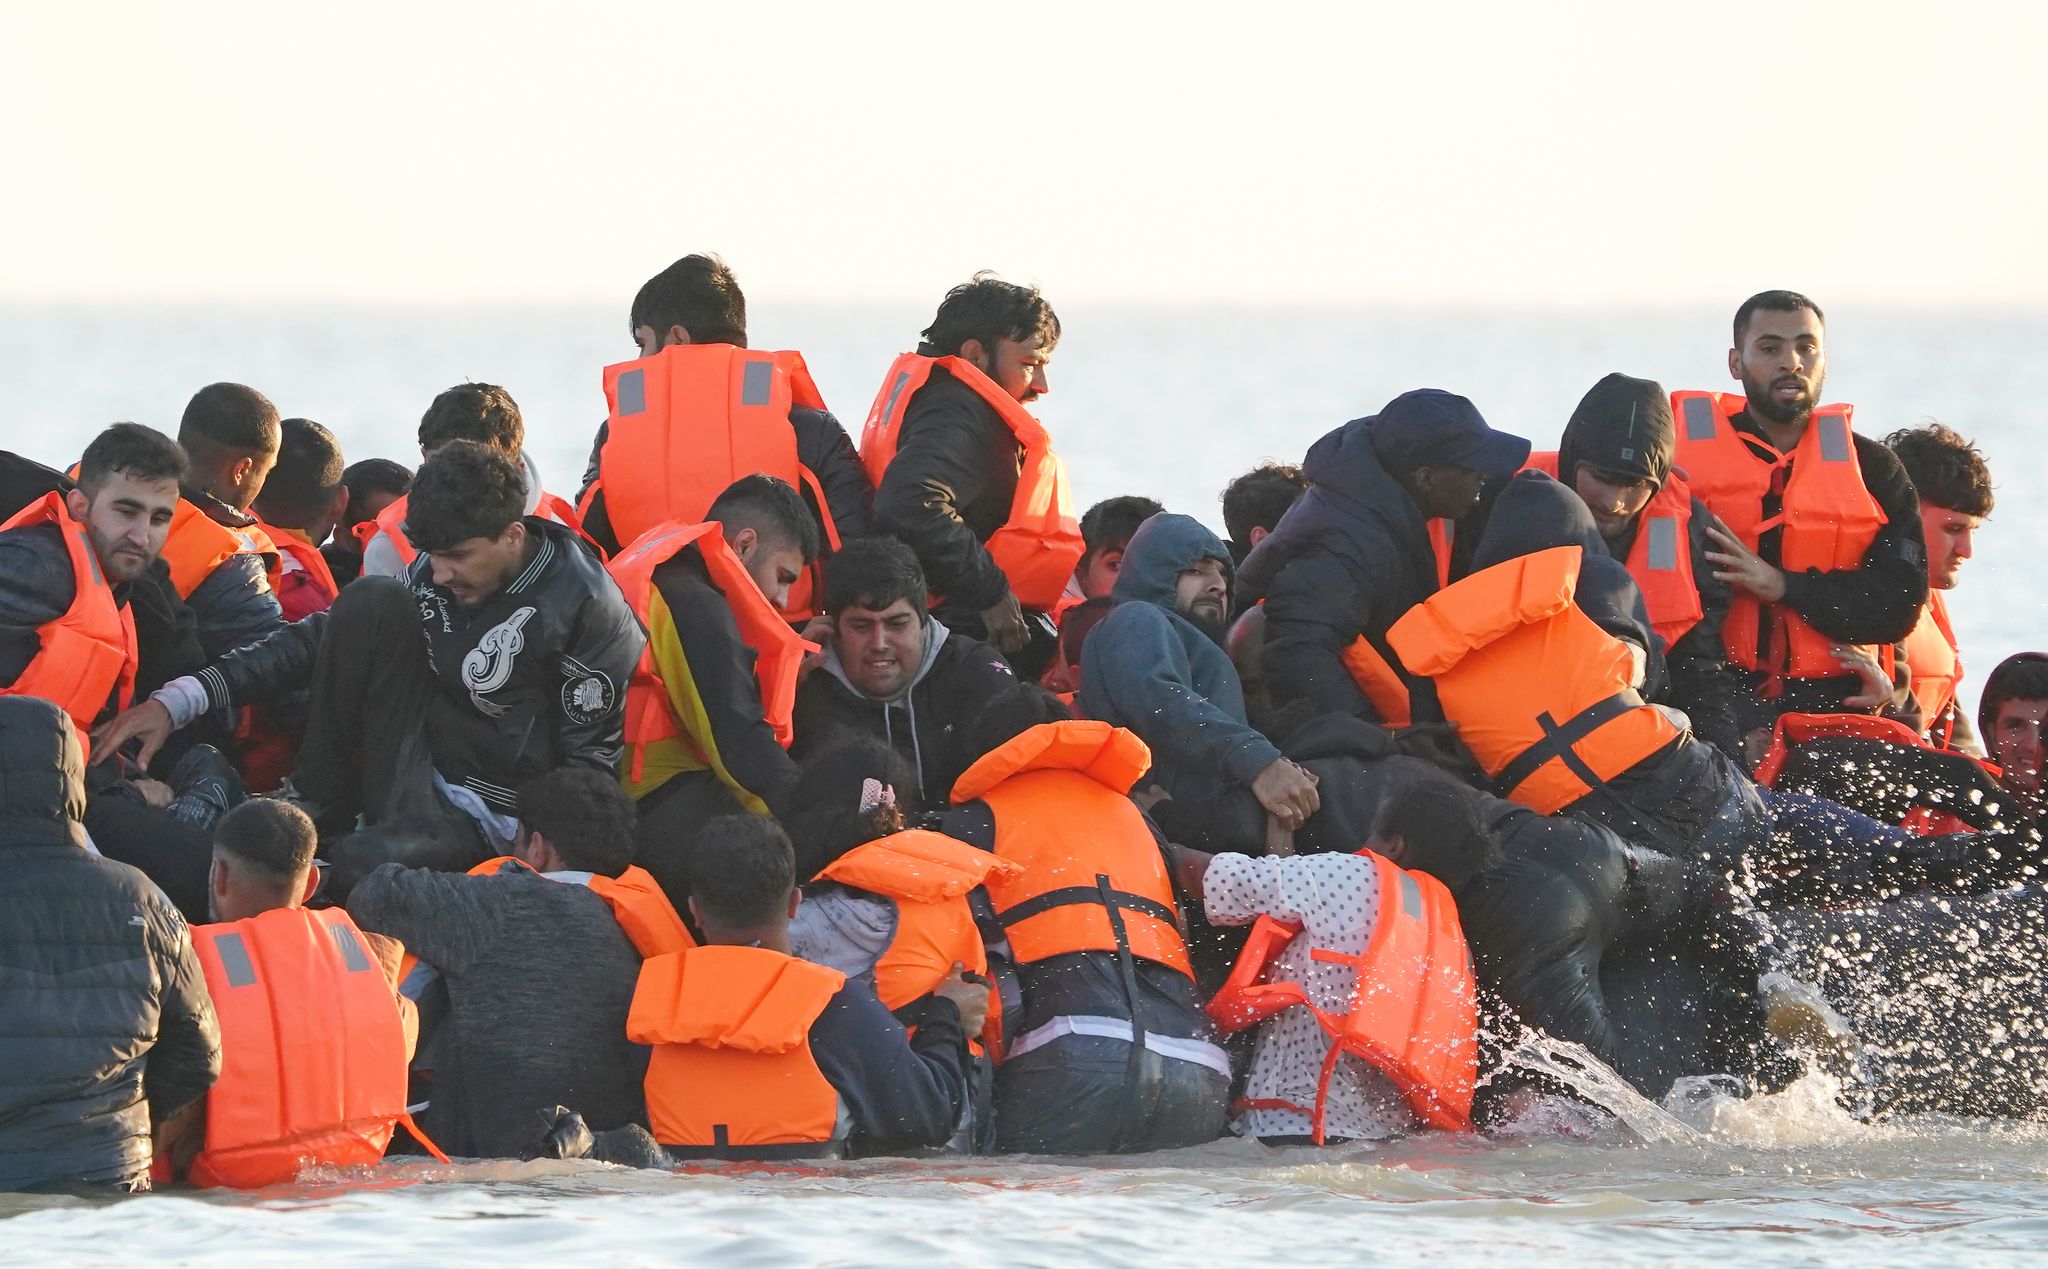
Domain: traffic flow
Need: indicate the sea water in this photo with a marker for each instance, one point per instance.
(1169, 404)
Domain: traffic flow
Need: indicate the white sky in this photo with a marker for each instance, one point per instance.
(1531, 155)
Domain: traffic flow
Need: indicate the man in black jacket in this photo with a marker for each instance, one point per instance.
(892, 671)
(1354, 554)
(107, 1030)
(504, 653)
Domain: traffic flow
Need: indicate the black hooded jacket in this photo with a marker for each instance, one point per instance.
(948, 489)
(1348, 559)
(105, 1022)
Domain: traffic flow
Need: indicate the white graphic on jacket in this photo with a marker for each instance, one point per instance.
(489, 664)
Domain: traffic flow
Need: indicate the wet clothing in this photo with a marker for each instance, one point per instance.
(234, 605)
(106, 1025)
(539, 978)
(1347, 560)
(927, 723)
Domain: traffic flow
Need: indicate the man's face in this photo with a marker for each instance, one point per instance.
(1446, 492)
(1615, 499)
(1017, 365)
(475, 569)
(127, 521)
(773, 566)
(1099, 570)
(372, 506)
(880, 650)
(2015, 742)
(1202, 595)
(1781, 364)
(1951, 538)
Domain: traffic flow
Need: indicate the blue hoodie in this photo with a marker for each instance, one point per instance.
(1150, 669)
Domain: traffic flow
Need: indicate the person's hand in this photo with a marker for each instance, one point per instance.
(1287, 792)
(1743, 568)
(1279, 839)
(1149, 796)
(1877, 685)
(817, 630)
(969, 994)
(154, 792)
(150, 722)
(1005, 625)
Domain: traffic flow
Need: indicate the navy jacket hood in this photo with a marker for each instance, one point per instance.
(1163, 548)
(42, 774)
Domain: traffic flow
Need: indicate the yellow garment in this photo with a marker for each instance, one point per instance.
(694, 749)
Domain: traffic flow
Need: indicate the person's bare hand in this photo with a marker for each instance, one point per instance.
(969, 995)
(1005, 625)
(150, 722)
(1287, 792)
(154, 792)
(818, 631)
(1743, 568)
(1877, 685)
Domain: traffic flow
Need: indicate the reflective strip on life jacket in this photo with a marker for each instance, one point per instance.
(1039, 544)
(1541, 695)
(1937, 667)
(778, 650)
(1828, 520)
(1413, 1011)
(88, 653)
(731, 1074)
(313, 1061)
(1660, 557)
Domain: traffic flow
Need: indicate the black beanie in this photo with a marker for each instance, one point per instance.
(1622, 425)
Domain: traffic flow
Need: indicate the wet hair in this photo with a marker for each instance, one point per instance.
(697, 293)
(772, 508)
(308, 471)
(275, 837)
(1257, 500)
(988, 309)
(1945, 468)
(741, 870)
(873, 573)
(135, 451)
(373, 476)
(825, 819)
(1079, 622)
(1773, 302)
(1008, 715)
(480, 412)
(1109, 524)
(585, 816)
(1439, 819)
(466, 490)
(2022, 676)
(228, 421)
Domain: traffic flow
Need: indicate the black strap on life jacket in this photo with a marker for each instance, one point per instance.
(721, 1147)
(1127, 969)
(1101, 893)
(1558, 741)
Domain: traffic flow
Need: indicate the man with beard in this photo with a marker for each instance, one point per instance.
(1820, 534)
(1156, 666)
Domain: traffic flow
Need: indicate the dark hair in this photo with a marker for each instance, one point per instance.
(373, 476)
(1007, 715)
(699, 294)
(825, 819)
(1440, 821)
(2023, 676)
(771, 507)
(873, 573)
(466, 490)
(481, 412)
(989, 309)
(1773, 302)
(1079, 622)
(275, 836)
(585, 816)
(1257, 500)
(139, 452)
(741, 870)
(308, 471)
(229, 420)
(1109, 524)
(1945, 468)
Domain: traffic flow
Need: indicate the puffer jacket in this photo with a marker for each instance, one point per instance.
(105, 1022)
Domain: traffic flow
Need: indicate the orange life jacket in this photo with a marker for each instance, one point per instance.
(1540, 694)
(928, 876)
(1660, 558)
(1936, 662)
(1380, 681)
(1092, 877)
(731, 1074)
(1828, 517)
(88, 652)
(391, 523)
(196, 546)
(305, 554)
(1414, 1009)
(1792, 730)
(778, 650)
(684, 424)
(1039, 545)
(313, 1061)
